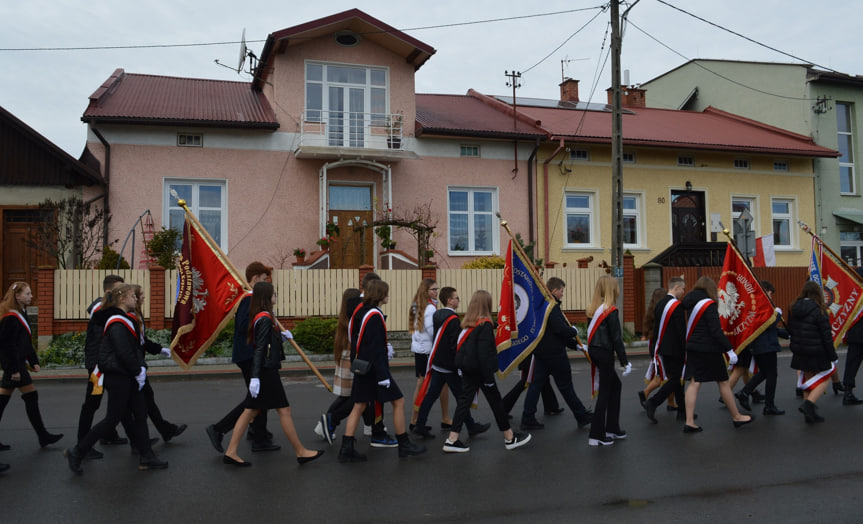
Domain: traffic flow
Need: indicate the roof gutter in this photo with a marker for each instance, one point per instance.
(531, 203)
(107, 177)
(546, 249)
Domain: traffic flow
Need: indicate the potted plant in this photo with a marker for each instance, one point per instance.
(394, 130)
(300, 253)
(325, 242)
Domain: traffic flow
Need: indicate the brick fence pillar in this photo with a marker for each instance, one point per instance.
(157, 297)
(629, 312)
(430, 272)
(45, 303)
(365, 269)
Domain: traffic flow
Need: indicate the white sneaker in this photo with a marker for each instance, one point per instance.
(319, 430)
(620, 435)
(518, 440)
(455, 447)
(607, 441)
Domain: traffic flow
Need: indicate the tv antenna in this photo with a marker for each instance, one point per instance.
(244, 53)
(567, 60)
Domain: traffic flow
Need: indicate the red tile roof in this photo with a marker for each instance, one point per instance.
(166, 100)
(469, 115)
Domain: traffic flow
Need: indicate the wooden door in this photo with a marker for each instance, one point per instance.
(688, 223)
(20, 260)
(350, 207)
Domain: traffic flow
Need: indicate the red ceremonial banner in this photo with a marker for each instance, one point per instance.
(745, 310)
(208, 294)
(507, 329)
(842, 291)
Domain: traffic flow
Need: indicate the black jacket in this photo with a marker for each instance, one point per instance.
(444, 356)
(95, 327)
(707, 335)
(478, 353)
(243, 350)
(674, 341)
(558, 335)
(609, 336)
(147, 345)
(768, 341)
(120, 349)
(269, 351)
(810, 330)
(16, 345)
(373, 346)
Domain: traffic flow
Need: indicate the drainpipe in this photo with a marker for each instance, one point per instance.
(107, 176)
(546, 248)
(531, 203)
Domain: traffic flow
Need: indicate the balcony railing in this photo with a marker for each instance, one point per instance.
(344, 129)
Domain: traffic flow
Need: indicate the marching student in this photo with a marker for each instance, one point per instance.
(812, 348)
(550, 405)
(605, 339)
(265, 385)
(670, 349)
(705, 345)
(649, 334)
(17, 355)
(764, 350)
(243, 353)
(550, 360)
(122, 363)
(442, 371)
(368, 334)
(476, 359)
(854, 357)
(165, 428)
(421, 327)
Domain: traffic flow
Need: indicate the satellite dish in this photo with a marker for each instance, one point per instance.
(243, 51)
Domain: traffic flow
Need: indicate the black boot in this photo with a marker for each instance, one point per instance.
(408, 448)
(74, 456)
(808, 410)
(838, 387)
(31, 404)
(151, 461)
(849, 399)
(348, 453)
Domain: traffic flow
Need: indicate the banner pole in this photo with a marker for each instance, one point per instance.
(821, 243)
(241, 278)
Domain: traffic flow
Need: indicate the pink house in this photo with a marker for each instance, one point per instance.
(329, 131)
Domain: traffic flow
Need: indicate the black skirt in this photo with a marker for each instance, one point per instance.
(706, 367)
(366, 389)
(810, 362)
(272, 395)
(8, 383)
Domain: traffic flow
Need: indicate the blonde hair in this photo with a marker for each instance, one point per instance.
(416, 318)
(605, 292)
(479, 308)
(10, 299)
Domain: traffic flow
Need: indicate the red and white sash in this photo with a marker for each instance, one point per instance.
(20, 317)
(667, 311)
(599, 316)
(816, 379)
(695, 316)
(418, 401)
(124, 320)
(369, 314)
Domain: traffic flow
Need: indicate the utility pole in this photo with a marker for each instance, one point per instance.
(514, 82)
(616, 156)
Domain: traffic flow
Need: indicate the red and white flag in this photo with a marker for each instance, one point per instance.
(843, 295)
(745, 310)
(209, 292)
(765, 254)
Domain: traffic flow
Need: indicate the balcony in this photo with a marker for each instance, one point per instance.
(343, 134)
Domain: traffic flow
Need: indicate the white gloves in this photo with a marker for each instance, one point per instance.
(583, 348)
(141, 378)
(254, 387)
(166, 352)
(627, 369)
(286, 334)
(384, 383)
(390, 351)
(732, 357)
(779, 311)
(489, 385)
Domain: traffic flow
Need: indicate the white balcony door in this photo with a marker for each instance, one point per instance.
(346, 116)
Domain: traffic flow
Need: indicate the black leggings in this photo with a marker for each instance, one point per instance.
(470, 384)
(123, 397)
(767, 371)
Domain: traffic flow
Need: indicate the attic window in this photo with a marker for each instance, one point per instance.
(741, 163)
(186, 140)
(347, 38)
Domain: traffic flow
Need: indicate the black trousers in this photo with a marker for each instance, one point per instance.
(549, 399)
(258, 427)
(674, 384)
(470, 384)
(767, 371)
(165, 428)
(606, 411)
(852, 364)
(436, 383)
(88, 413)
(123, 398)
(556, 366)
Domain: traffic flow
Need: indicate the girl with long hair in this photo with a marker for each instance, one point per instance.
(265, 388)
(649, 326)
(813, 353)
(421, 327)
(476, 358)
(604, 340)
(17, 355)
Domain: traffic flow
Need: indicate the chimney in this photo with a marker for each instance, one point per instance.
(631, 97)
(569, 90)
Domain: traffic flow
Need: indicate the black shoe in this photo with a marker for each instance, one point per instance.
(531, 424)
(553, 412)
(518, 440)
(692, 429)
(838, 387)
(152, 463)
(350, 455)
(93, 454)
(266, 445)
(412, 427)
(849, 399)
(231, 462)
(741, 423)
(584, 419)
(650, 410)
(808, 410)
(408, 448)
(422, 432)
(758, 397)
(178, 430)
(215, 437)
(478, 428)
(5, 447)
(604, 441)
(642, 398)
(445, 427)
(455, 447)
(743, 399)
(772, 410)
(74, 458)
(47, 439)
(306, 460)
(117, 441)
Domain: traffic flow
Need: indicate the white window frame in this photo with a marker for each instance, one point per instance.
(686, 160)
(633, 159)
(471, 190)
(781, 165)
(791, 217)
(169, 203)
(846, 241)
(741, 163)
(579, 155)
(464, 147)
(590, 211)
(189, 139)
(753, 208)
(850, 134)
(638, 213)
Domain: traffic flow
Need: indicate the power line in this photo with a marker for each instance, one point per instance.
(202, 44)
(602, 10)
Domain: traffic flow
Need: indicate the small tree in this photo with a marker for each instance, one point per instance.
(72, 232)
(164, 247)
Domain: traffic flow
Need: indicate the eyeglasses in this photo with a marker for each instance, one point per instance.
(433, 289)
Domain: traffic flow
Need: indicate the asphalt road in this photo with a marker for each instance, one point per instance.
(777, 469)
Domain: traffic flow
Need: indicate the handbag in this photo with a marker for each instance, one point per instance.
(360, 366)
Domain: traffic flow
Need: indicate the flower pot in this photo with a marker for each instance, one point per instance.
(301, 261)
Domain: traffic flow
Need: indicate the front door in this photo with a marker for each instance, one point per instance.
(688, 223)
(350, 209)
(20, 259)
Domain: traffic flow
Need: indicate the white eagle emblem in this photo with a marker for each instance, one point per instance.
(730, 305)
(199, 297)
